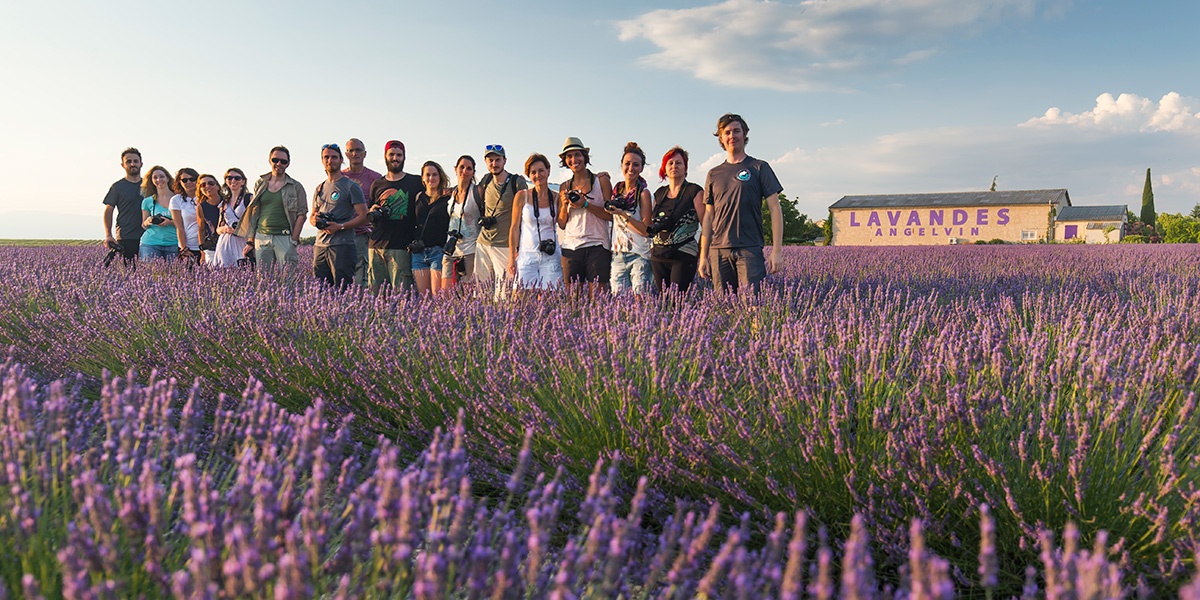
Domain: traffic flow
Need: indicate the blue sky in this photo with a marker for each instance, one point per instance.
(842, 96)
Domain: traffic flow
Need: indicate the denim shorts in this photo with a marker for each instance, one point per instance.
(151, 252)
(429, 258)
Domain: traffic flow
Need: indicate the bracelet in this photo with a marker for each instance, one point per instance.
(585, 203)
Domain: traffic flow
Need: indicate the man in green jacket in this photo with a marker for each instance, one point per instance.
(275, 215)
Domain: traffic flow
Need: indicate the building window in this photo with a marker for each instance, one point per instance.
(1029, 235)
(1070, 232)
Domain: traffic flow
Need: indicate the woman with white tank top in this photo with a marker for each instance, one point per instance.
(536, 262)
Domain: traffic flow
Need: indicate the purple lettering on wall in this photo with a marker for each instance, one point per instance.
(921, 232)
(981, 216)
(908, 231)
(936, 217)
(892, 232)
(1002, 216)
(853, 219)
(948, 230)
(873, 220)
(914, 218)
(878, 233)
(975, 231)
(893, 217)
(960, 217)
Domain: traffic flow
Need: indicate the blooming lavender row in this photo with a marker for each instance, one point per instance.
(145, 493)
(1054, 384)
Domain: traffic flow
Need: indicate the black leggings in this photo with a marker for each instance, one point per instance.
(677, 272)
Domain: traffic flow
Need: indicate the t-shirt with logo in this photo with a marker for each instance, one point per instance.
(126, 196)
(395, 232)
(336, 200)
(735, 193)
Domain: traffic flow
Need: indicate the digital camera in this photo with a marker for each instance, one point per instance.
(625, 204)
(416, 246)
(487, 222)
(574, 196)
(323, 220)
(381, 212)
(157, 219)
(451, 244)
(547, 247)
(660, 223)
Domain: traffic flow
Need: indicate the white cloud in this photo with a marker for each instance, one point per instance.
(1128, 113)
(809, 45)
(1098, 165)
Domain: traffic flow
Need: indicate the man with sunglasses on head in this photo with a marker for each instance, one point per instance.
(338, 206)
(393, 204)
(356, 153)
(275, 215)
(125, 197)
(499, 189)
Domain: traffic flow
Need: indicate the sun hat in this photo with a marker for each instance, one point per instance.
(573, 143)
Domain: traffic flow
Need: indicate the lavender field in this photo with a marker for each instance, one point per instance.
(839, 434)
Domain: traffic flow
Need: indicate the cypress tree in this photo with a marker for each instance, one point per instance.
(1148, 214)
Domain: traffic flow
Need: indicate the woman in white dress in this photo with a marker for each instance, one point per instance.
(537, 261)
(230, 245)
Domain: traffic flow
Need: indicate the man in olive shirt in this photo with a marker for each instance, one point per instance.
(499, 189)
(356, 154)
(731, 240)
(125, 197)
(338, 207)
(275, 215)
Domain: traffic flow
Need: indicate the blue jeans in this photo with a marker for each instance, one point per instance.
(429, 258)
(629, 271)
(147, 252)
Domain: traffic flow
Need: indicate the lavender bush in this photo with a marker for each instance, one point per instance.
(1053, 384)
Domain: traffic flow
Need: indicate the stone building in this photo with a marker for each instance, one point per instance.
(946, 218)
(1092, 224)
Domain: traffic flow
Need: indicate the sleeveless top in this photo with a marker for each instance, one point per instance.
(583, 228)
(532, 227)
(624, 238)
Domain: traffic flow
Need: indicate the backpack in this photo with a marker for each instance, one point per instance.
(682, 204)
(487, 180)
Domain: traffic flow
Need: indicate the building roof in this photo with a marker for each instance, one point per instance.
(1111, 212)
(998, 198)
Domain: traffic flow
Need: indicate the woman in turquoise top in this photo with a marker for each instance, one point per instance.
(160, 239)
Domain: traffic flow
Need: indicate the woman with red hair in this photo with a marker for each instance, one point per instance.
(675, 224)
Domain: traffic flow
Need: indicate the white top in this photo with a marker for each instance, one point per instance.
(624, 238)
(466, 222)
(191, 227)
(530, 229)
(585, 229)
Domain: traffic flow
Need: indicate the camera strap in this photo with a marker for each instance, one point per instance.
(537, 217)
(428, 214)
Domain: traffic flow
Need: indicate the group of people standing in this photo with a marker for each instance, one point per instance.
(417, 232)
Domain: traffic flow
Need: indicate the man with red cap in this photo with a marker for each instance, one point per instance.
(392, 199)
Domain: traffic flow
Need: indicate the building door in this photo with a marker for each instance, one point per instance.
(1070, 232)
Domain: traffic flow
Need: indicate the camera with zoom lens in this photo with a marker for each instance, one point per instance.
(381, 212)
(574, 196)
(416, 246)
(660, 223)
(487, 222)
(114, 249)
(324, 220)
(624, 204)
(451, 244)
(547, 247)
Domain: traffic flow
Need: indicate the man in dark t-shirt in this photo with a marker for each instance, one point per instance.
(338, 207)
(125, 197)
(731, 242)
(396, 192)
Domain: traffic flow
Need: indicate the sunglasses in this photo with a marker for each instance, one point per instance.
(234, 178)
(494, 148)
(210, 184)
(187, 179)
(279, 161)
(331, 147)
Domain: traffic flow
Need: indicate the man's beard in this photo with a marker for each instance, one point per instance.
(395, 168)
(133, 172)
